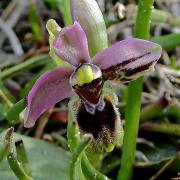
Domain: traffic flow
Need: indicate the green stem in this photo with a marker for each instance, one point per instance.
(169, 41)
(34, 21)
(6, 92)
(75, 166)
(90, 171)
(72, 130)
(166, 128)
(153, 110)
(66, 10)
(5, 99)
(157, 16)
(142, 28)
(162, 16)
(23, 67)
(172, 111)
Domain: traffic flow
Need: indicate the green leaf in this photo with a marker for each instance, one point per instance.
(2, 150)
(3, 110)
(13, 114)
(163, 151)
(47, 161)
(156, 157)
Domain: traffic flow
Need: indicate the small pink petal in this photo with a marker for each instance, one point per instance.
(71, 45)
(49, 89)
(128, 59)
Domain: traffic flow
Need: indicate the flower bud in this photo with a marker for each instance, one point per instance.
(88, 14)
(52, 27)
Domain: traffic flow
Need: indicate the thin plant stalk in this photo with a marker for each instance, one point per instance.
(75, 166)
(34, 20)
(66, 10)
(24, 66)
(169, 41)
(164, 127)
(142, 28)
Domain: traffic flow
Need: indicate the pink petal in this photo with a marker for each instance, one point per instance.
(71, 45)
(128, 59)
(49, 89)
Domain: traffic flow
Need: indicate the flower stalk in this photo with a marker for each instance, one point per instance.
(172, 111)
(157, 16)
(66, 12)
(165, 128)
(5, 99)
(25, 66)
(75, 166)
(154, 109)
(34, 20)
(142, 28)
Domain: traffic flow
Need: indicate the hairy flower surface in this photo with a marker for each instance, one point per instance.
(84, 75)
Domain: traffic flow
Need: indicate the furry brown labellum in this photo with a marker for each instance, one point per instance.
(104, 126)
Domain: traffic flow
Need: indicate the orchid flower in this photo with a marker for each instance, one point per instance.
(84, 75)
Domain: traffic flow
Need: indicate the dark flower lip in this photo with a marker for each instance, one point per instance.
(104, 126)
(90, 91)
(94, 124)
